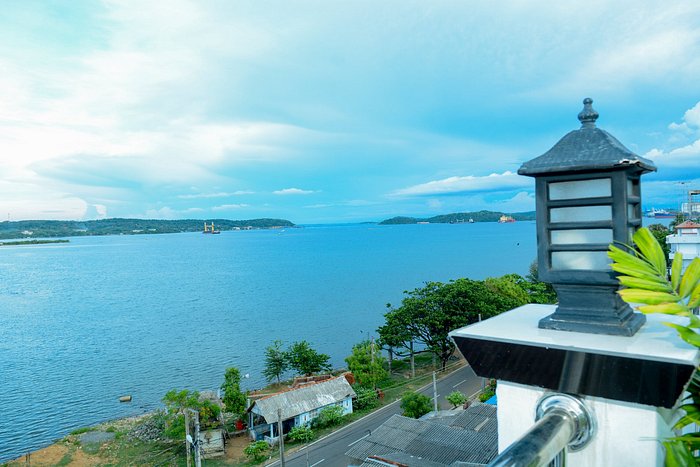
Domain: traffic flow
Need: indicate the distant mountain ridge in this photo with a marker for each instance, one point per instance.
(120, 226)
(461, 217)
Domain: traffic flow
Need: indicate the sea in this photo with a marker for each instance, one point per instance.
(85, 322)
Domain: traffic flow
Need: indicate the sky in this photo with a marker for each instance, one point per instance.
(330, 111)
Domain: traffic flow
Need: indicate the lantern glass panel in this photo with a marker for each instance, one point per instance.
(582, 260)
(581, 236)
(632, 211)
(581, 214)
(596, 188)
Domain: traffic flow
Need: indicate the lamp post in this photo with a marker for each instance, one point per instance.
(588, 195)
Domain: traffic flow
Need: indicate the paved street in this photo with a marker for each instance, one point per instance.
(330, 451)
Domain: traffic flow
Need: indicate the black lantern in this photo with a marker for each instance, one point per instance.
(588, 196)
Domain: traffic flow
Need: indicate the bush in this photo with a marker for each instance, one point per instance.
(256, 451)
(176, 402)
(456, 398)
(415, 405)
(366, 398)
(329, 416)
(302, 434)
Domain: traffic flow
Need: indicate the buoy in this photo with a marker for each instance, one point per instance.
(125, 399)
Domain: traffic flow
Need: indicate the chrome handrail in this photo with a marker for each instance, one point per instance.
(562, 422)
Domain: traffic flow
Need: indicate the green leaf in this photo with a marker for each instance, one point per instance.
(645, 284)
(687, 334)
(676, 268)
(667, 308)
(650, 249)
(694, 322)
(678, 454)
(634, 272)
(694, 297)
(629, 260)
(690, 279)
(647, 296)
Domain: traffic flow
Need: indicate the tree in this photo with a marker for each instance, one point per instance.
(305, 360)
(539, 292)
(234, 399)
(256, 451)
(456, 398)
(176, 402)
(366, 364)
(428, 314)
(415, 405)
(275, 361)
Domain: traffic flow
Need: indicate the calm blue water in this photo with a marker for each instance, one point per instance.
(85, 322)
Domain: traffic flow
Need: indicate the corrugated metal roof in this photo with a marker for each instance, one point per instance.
(303, 399)
(474, 439)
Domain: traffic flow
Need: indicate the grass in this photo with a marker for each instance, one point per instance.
(80, 431)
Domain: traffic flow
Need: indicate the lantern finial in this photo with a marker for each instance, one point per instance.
(588, 115)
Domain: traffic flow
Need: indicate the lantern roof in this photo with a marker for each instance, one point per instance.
(586, 149)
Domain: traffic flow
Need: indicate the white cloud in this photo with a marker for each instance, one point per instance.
(687, 156)
(220, 194)
(229, 207)
(494, 182)
(293, 191)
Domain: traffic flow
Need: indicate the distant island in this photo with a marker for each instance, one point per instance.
(117, 226)
(31, 242)
(461, 217)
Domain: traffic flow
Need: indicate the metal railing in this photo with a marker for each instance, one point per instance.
(563, 423)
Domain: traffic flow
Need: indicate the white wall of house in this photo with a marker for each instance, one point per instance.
(687, 244)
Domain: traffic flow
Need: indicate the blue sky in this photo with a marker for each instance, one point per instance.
(325, 111)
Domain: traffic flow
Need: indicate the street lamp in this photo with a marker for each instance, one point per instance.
(588, 196)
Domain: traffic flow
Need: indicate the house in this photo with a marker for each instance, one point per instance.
(297, 406)
(686, 240)
(469, 438)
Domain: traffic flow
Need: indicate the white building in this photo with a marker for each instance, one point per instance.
(686, 241)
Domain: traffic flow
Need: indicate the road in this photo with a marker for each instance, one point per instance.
(330, 451)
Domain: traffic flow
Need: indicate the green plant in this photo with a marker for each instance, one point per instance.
(256, 451)
(306, 360)
(176, 402)
(234, 399)
(456, 398)
(367, 364)
(275, 361)
(643, 273)
(80, 431)
(302, 434)
(367, 398)
(328, 416)
(415, 405)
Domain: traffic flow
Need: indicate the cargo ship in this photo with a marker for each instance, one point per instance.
(209, 229)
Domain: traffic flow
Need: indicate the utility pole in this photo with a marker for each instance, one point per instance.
(197, 452)
(435, 396)
(371, 349)
(413, 363)
(280, 435)
(188, 437)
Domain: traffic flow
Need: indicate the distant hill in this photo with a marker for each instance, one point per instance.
(461, 217)
(117, 226)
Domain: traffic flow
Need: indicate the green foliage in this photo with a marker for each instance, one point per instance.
(540, 292)
(415, 405)
(456, 398)
(461, 217)
(275, 361)
(176, 402)
(80, 431)
(367, 398)
(488, 392)
(115, 226)
(643, 273)
(328, 416)
(301, 434)
(428, 314)
(305, 360)
(367, 364)
(234, 399)
(257, 451)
